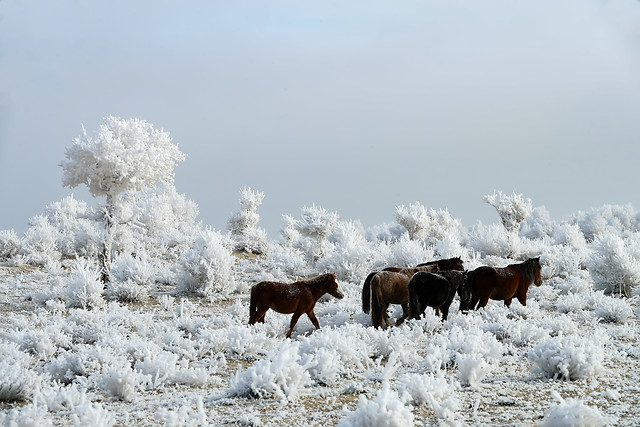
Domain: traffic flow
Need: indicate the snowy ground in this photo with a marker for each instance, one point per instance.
(174, 361)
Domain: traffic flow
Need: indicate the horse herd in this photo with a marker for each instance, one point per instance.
(432, 284)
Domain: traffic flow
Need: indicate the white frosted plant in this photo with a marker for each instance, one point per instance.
(313, 229)
(16, 380)
(124, 155)
(9, 244)
(614, 263)
(282, 375)
(84, 287)
(513, 208)
(206, 269)
(568, 357)
(430, 226)
(123, 383)
(386, 409)
(243, 224)
(573, 412)
(351, 255)
(131, 278)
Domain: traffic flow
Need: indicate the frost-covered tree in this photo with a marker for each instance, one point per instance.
(124, 155)
(512, 208)
(614, 263)
(242, 225)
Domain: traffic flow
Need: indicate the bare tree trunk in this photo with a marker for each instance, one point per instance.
(109, 232)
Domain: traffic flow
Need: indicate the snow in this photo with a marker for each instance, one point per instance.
(167, 341)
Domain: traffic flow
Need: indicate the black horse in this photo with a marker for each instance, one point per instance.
(436, 290)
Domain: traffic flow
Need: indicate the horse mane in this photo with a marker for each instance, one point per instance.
(318, 279)
(527, 269)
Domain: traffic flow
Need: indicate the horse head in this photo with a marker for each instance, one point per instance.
(333, 287)
(537, 267)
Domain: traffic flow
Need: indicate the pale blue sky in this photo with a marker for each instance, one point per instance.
(354, 106)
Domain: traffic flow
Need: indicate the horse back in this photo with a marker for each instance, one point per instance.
(284, 298)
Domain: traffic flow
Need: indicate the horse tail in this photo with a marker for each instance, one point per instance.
(366, 293)
(471, 292)
(376, 303)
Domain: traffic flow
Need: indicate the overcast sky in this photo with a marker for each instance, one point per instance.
(356, 106)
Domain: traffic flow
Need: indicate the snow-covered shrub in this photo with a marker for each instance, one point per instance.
(351, 256)
(39, 244)
(621, 220)
(512, 208)
(282, 375)
(538, 225)
(123, 383)
(430, 225)
(206, 269)
(93, 414)
(472, 369)
(312, 231)
(573, 413)
(84, 287)
(406, 252)
(9, 244)
(569, 357)
(386, 409)
(613, 310)
(493, 240)
(242, 224)
(16, 380)
(131, 278)
(422, 389)
(614, 263)
(166, 219)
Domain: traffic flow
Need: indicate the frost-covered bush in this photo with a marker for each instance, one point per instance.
(350, 257)
(512, 208)
(613, 310)
(538, 225)
(9, 244)
(84, 287)
(39, 245)
(242, 224)
(131, 278)
(614, 263)
(422, 389)
(123, 383)
(282, 375)
(206, 269)
(426, 225)
(160, 219)
(621, 220)
(386, 409)
(311, 232)
(569, 357)
(16, 380)
(406, 252)
(493, 240)
(573, 413)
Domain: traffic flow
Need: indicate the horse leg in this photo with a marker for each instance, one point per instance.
(405, 314)
(484, 300)
(314, 320)
(385, 315)
(258, 316)
(507, 302)
(445, 312)
(294, 320)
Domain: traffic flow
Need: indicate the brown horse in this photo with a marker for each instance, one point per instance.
(392, 289)
(503, 283)
(297, 298)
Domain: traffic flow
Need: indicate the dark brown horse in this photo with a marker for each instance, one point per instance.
(297, 298)
(392, 289)
(436, 290)
(503, 283)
